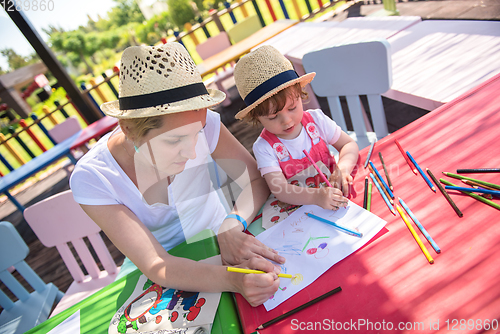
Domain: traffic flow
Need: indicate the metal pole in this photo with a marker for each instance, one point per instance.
(47, 56)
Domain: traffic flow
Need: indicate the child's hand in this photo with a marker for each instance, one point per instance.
(330, 199)
(341, 180)
(258, 288)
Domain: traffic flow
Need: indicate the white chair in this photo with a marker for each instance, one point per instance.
(59, 220)
(210, 47)
(30, 309)
(352, 70)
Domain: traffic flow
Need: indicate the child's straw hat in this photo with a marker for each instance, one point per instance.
(157, 81)
(263, 73)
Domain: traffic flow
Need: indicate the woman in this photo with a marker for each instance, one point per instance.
(146, 184)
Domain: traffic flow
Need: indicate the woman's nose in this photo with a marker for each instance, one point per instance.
(188, 150)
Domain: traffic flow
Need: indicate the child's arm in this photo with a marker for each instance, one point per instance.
(348, 156)
(327, 198)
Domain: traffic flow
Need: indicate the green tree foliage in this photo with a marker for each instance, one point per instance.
(124, 12)
(76, 42)
(151, 31)
(181, 12)
(16, 61)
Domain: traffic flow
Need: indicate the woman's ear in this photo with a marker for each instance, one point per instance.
(126, 129)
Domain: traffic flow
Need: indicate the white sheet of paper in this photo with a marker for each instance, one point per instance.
(311, 247)
(69, 325)
(155, 309)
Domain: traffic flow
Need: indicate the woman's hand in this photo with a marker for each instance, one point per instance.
(257, 288)
(330, 198)
(237, 246)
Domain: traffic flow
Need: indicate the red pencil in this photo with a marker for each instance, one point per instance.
(412, 167)
(323, 177)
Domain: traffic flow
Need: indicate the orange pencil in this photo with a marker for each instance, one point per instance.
(412, 167)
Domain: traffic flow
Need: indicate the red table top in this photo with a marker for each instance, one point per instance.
(96, 129)
(389, 283)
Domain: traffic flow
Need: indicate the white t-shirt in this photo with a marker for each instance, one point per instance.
(268, 162)
(195, 206)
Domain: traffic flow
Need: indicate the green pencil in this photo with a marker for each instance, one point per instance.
(461, 177)
(479, 198)
(369, 199)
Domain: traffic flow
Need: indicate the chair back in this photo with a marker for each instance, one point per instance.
(66, 129)
(31, 308)
(352, 70)
(207, 49)
(245, 28)
(58, 220)
(213, 45)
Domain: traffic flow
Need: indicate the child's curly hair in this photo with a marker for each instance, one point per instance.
(275, 103)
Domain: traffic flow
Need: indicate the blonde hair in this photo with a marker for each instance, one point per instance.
(140, 127)
(275, 103)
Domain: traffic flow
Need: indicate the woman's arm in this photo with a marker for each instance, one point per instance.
(136, 242)
(237, 162)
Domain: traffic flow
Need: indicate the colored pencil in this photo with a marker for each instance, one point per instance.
(299, 308)
(484, 183)
(385, 170)
(340, 227)
(365, 197)
(323, 177)
(412, 167)
(369, 153)
(386, 186)
(478, 186)
(474, 190)
(384, 189)
(475, 184)
(369, 200)
(415, 235)
(426, 179)
(251, 271)
(420, 226)
(479, 198)
(386, 200)
(445, 194)
(478, 170)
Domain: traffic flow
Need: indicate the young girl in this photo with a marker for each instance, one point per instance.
(273, 94)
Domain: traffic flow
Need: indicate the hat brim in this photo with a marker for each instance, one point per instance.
(303, 80)
(213, 98)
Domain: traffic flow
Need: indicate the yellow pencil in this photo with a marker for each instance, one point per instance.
(251, 271)
(415, 235)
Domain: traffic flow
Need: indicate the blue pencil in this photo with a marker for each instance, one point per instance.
(342, 228)
(475, 190)
(426, 179)
(369, 154)
(420, 227)
(382, 180)
(386, 200)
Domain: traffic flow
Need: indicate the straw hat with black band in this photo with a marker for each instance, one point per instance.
(159, 80)
(263, 73)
